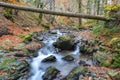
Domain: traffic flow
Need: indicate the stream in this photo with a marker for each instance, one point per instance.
(38, 68)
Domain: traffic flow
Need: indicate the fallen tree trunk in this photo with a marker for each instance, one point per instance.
(69, 14)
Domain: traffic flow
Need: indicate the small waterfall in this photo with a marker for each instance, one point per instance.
(77, 50)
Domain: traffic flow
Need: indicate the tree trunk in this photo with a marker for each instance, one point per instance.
(89, 7)
(52, 8)
(37, 3)
(69, 14)
(80, 9)
(98, 7)
(95, 7)
(40, 15)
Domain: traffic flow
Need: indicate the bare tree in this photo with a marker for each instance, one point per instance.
(98, 7)
(80, 9)
(52, 8)
(39, 4)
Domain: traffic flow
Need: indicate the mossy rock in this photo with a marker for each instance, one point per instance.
(50, 58)
(76, 72)
(27, 37)
(65, 43)
(68, 58)
(51, 73)
(13, 68)
(8, 14)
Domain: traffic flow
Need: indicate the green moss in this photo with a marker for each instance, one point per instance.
(8, 14)
(111, 7)
(51, 70)
(27, 37)
(64, 43)
(76, 71)
(106, 64)
(115, 43)
(64, 38)
(116, 60)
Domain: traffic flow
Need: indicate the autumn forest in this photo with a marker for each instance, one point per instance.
(59, 39)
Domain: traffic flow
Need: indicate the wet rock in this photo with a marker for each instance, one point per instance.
(68, 58)
(51, 73)
(114, 74)
(83, 63)
(77, 73)
(50, 58)
(65, 43)
(33, 46)
(39, 38)
(53, 31)
(19, 55)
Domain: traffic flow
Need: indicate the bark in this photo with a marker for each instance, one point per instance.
(80, 9)
(69, 14)
(52, 8)
(40, 15)
(89, 7)
(98, 7)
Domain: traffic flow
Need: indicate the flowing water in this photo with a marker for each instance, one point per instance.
(38, 68)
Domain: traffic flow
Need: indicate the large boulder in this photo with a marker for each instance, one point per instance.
(33, 46)
(68, 58)
(50, 58)
(53, 31)
(76, 73)
(65, 43)
(51, 73)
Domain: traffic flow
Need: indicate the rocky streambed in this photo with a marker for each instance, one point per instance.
(59, 55)
(67, 55)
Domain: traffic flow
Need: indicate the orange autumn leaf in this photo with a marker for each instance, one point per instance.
(1, 73)
(15, 2)
(8, 47)
(86, 78)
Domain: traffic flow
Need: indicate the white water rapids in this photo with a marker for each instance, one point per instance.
(38, 68)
